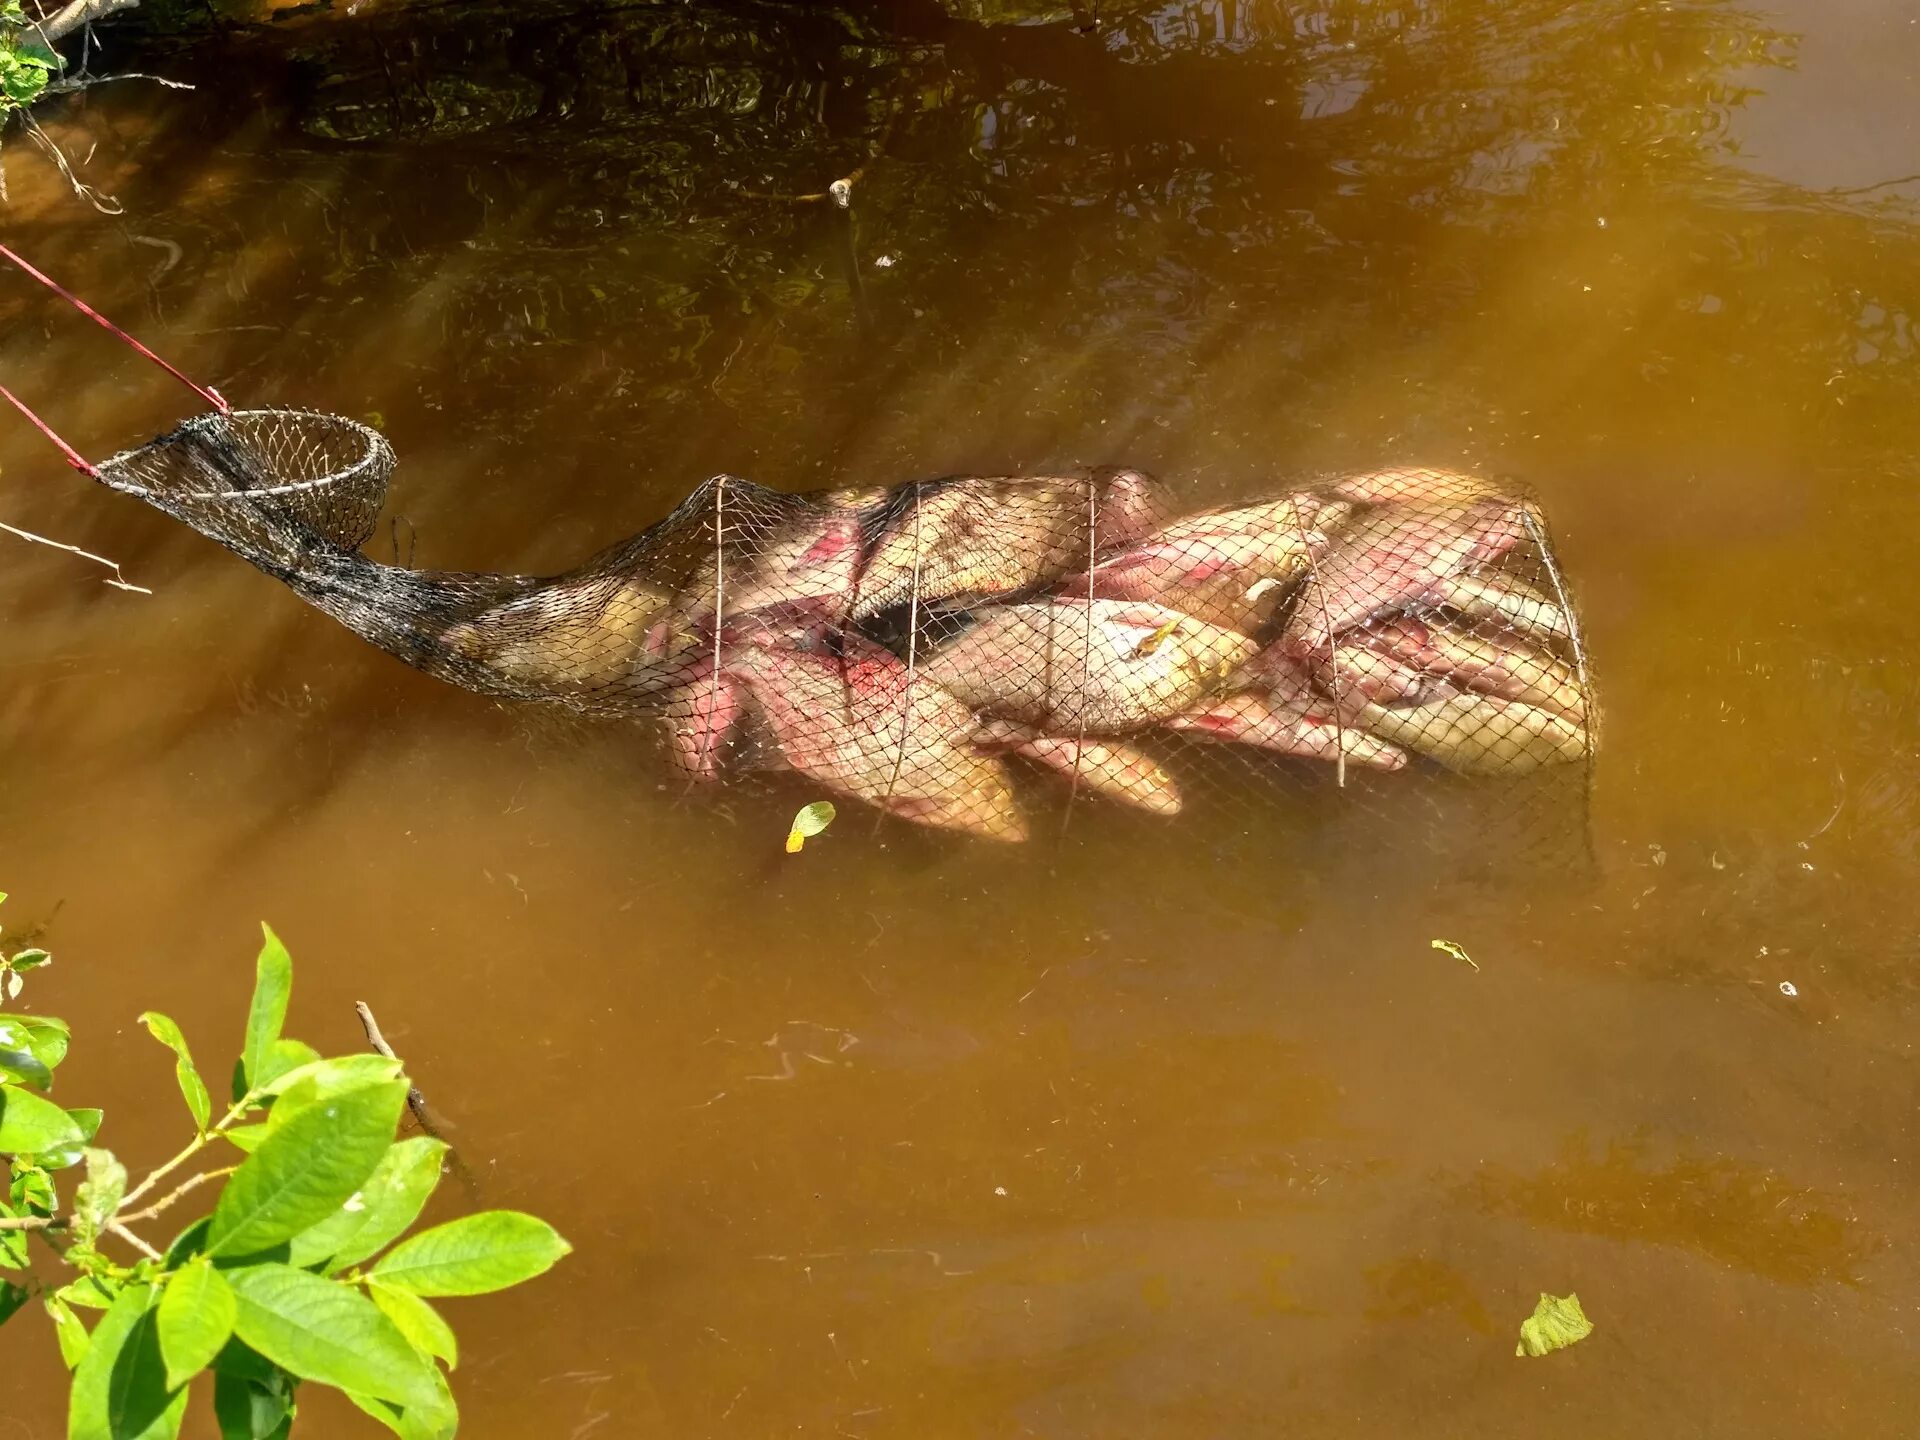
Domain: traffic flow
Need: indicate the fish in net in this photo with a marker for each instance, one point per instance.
(941, 649)
(949, 651)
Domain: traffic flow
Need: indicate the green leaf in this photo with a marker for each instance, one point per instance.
(379, 1212)
(98, 1199)
(67, 1329)
(120, 1384)
(437, 1421)
(283, 1057)
(41, 1035)
(32, 1190)
(473, 1255)
(326, 1330)
(249, 1409)
(1555, 1324)
(23, 1067)
(62, 1157)
(418, 1321)
(90, 1292)
(272, 985)
(196, 1318)
(305, 1169)
(246, 1138)
(187, 1244)
(30, 959)
(810, 821)
(22, 84)
(316, 1079)
(192, 1088)
(13, 1296)
(241, 1360)
(29, 1124)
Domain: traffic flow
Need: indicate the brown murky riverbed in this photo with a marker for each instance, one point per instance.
(1165, 1129)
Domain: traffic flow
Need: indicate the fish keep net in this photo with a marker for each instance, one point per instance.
(985, 654)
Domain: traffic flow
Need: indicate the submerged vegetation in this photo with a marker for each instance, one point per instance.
(298, 1275)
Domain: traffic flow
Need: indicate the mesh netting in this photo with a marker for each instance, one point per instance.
(947, 650)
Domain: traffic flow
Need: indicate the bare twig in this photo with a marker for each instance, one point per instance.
(164, 1201)
(87, 82)
(118, 1228)
(430, 1120)
(416, 1102)
(119, 581)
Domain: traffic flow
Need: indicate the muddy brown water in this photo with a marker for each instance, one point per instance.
(1166, 1129)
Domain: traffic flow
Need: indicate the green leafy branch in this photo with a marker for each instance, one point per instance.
(27, 58)
(298, 1275)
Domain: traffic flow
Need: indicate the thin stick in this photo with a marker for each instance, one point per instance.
(1326, 624)
(416, 1102)
(192, 1183)
(119, 581)
(212, 396)
(134, 1240)
(913, 660)
(1086, 650)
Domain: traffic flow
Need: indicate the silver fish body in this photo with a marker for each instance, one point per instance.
(609, 633)
(1232, 566)
(1395, 557)
(1103, 767)
(1103, 667)
(1507, 599)
(971, 538)
(1482, 735)
(1251, 718)
(1411, 485)
(702, 716)
(863, 725)
(1503, 664)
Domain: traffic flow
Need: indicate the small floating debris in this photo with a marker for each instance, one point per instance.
(810, 821)
(1449, 948)
(1557, 1322)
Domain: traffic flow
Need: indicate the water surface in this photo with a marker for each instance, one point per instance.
(1160, 1129)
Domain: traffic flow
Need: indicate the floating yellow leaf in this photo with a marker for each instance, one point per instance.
(1555, 1324)
(811, 820)
(1455, 951)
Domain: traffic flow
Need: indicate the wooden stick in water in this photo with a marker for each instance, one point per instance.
(429, 1120)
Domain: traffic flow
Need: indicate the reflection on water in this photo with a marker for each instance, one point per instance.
(1163, 1129)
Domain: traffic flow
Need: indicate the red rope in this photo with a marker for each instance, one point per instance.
(74, 457)
(213, 397)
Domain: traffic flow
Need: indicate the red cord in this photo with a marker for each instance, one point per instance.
(213, 397)
(74, 457)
